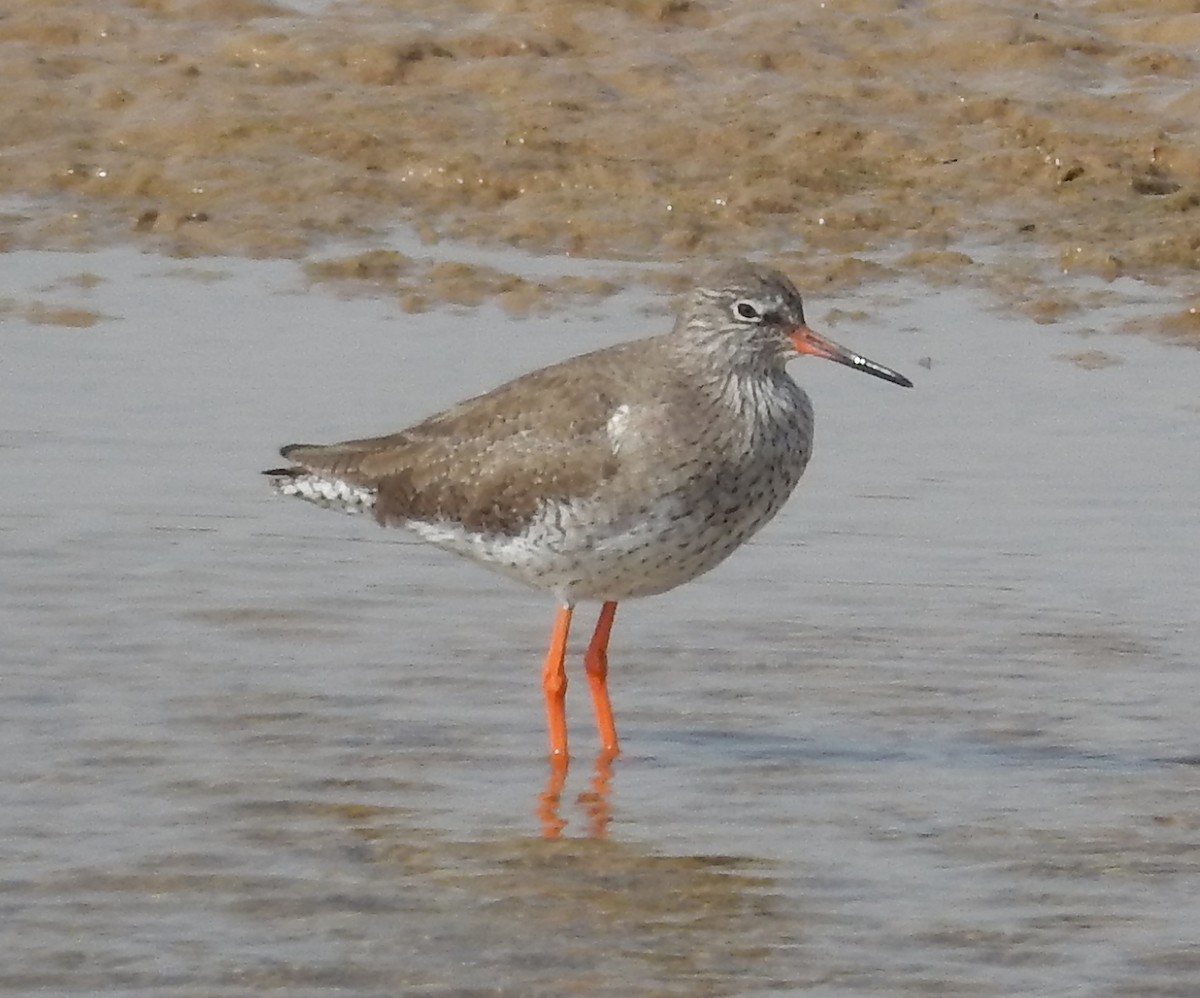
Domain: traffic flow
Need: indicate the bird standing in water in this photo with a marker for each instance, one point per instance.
(617, 474)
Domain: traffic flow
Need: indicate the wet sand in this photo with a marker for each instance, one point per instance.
(932, 733)
(662, 130)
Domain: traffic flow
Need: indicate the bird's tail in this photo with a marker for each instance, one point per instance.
(323, 490)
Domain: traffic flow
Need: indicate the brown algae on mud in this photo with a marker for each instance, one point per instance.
(639, 129)
(420, 284)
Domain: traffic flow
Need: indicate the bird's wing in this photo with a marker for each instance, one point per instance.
(490, 462)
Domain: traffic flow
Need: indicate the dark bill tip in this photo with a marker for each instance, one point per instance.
(870, 367)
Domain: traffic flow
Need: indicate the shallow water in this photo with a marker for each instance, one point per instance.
(933, 732)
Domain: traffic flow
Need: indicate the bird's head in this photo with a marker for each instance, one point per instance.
(745, 316)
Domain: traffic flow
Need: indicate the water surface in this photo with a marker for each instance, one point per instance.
(933, 732)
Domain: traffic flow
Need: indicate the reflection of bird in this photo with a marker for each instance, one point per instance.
(621, 473)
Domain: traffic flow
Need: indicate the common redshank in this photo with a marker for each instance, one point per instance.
(620, 473)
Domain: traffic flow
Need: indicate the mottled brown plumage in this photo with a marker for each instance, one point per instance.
(620, 473)
(489, 462)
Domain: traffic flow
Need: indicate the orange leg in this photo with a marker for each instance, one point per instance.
(595, 661)
(554, 686)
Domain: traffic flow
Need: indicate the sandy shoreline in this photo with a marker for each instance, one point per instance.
(668, 131)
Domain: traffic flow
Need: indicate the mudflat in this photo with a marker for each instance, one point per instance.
(642, 129)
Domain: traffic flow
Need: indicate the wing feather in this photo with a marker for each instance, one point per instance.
(490, 462)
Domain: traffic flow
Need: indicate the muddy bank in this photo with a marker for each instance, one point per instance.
(664, 130)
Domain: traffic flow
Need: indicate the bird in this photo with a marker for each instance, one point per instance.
(613, 475)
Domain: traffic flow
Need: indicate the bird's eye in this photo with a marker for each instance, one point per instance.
(747, 310)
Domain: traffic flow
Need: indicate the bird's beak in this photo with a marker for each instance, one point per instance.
(804, 340)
